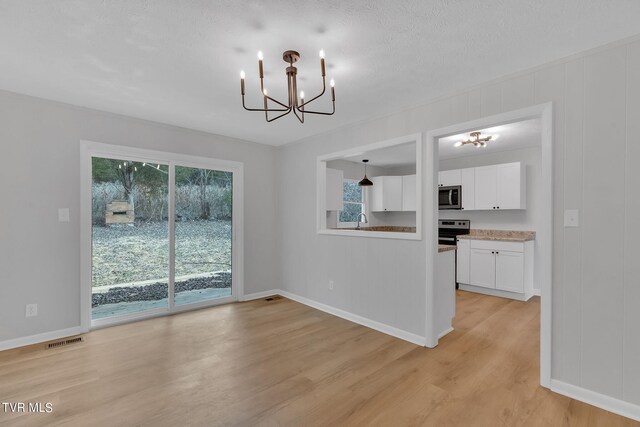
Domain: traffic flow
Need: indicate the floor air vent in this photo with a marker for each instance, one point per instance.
(275, 297)
(64, 342)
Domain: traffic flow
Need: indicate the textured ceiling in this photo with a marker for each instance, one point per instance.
(177, 62)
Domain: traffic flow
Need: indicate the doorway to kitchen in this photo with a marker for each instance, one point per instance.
(499, 187)
(159, 233)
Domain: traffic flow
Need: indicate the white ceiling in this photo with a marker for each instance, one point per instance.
(389, 157)
(177, 62)
(513, 136)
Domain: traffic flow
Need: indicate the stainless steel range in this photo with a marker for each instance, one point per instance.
(449, 229)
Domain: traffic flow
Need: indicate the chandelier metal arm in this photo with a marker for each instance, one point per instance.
(276, 101)
(281, 115)
(300, 119)
(324, 89)
(261, 73)
(321, 112)
(275, 110)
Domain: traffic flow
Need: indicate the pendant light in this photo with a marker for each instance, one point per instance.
(366, 182)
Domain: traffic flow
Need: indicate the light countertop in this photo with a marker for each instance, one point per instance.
(499, 235)
(446, 248)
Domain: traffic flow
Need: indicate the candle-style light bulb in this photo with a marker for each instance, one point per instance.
(260, 56)
(242, 75)
(302, 94)
(265, 91)
(322, 62)
(332, 83)
(458, 144)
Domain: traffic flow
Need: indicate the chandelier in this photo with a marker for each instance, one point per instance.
(294, 103)
(476, 140)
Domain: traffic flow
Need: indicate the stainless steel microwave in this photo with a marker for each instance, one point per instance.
(450, 197)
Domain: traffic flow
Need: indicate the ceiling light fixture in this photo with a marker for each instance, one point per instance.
(366, 182)
(476, 140)
(294, 103)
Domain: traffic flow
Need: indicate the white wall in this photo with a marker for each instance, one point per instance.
(40, 257)
(596, 320)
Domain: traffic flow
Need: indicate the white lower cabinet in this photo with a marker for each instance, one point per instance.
(496, 268)
(483, 268)
(462, 264)
(510, 271)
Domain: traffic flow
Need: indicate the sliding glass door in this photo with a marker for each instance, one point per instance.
(130, 237)
(161, 237)
(204, 206)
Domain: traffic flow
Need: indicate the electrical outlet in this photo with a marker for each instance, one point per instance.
(571, 218)
(63, 215)
(330, 285)
(32, 310)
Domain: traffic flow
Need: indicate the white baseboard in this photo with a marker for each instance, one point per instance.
(536, 292)
(495, 292)
(602, 401)
(258, 295)
(38, 338)
(381, 327)
(443, 333)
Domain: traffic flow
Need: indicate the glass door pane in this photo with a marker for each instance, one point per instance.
(203, 230)
(130, 237)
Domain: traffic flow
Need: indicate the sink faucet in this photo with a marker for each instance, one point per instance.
(360, 215)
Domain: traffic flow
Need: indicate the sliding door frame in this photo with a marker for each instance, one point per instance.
(90, 149)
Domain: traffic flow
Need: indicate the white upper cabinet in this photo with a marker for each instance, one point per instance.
(448, 178)
(386, 193)
(511, 186)
(468, 182)
(334, 190)
(500, 187)
(486, 188)
(409, 193)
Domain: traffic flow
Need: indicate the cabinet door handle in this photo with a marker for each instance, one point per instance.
(492, 252)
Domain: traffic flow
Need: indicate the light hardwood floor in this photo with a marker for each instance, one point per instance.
(282, 363)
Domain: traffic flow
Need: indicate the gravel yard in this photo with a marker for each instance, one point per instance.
(125, 254)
